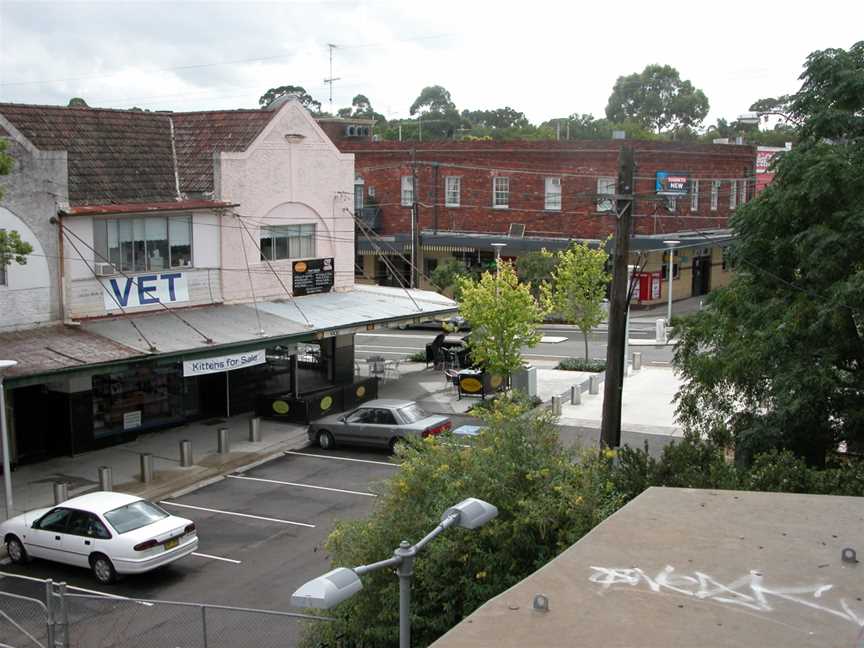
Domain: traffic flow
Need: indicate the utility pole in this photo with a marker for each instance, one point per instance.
(610, 434)
(435, 166)
(416, 254)
(330, 80)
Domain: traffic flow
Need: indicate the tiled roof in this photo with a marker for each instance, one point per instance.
(125, 156)
(199, 134)
(113, 155)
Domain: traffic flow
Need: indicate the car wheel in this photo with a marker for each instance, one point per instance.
(17, 552)
(103, 570)
(325, 440)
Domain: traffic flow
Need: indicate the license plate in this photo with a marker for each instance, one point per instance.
(170, 544)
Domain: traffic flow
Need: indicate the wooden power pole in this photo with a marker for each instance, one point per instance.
(416, 240)
(610, 434)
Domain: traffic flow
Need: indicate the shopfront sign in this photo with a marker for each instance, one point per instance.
(312, 276)
(219, 364)
(670, 183)
(145, 290)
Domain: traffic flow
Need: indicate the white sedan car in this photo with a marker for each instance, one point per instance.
(111, 533)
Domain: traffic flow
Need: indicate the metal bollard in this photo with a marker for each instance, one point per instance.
(186, 458)
(255, 429)
(106, 478)
(637, 360)
(594, 384)
(556, 405)
(61, 492)
(146, 467)
(222, 440)
(575, 395)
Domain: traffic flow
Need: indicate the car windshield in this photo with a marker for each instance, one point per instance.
(134, 516)
(412, 413)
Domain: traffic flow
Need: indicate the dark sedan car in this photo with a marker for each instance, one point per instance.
(381, 422)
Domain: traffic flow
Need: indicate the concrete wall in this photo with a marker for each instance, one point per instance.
(291, 174)
(33, 192)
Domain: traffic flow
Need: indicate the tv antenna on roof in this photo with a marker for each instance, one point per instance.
(329, 81)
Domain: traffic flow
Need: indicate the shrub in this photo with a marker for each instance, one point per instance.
(581, 364)
(417, 356)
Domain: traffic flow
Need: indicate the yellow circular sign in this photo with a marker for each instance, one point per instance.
(361, 391)
(281, 407)
(471, 385)
(326, 403)
(495, 381)
(300, 266)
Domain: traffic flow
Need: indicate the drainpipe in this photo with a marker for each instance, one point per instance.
(63, 279)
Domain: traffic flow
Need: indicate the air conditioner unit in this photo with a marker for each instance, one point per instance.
(517, 230)
(105, 269)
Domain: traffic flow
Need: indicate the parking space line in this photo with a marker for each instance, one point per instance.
(285, 483)
(228, 560)
(318, 456)
(234, 513)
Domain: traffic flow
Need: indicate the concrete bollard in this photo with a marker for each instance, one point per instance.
(61, 492)
(594, 384)
(556, 405)
(637, 360)
(575, 395)
(222, 441)
(146, 467)
(186, 458)
(660, 331)
(106, 478)
(255, 429)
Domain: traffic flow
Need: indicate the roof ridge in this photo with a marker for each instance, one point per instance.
(161, 113)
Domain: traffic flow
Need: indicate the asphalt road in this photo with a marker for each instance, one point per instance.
(396, 343)
(256, 559)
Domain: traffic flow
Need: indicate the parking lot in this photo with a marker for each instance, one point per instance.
(262, 534)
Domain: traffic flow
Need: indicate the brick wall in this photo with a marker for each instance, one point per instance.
(527, 164)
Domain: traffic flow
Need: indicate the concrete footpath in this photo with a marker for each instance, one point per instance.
(32, 485)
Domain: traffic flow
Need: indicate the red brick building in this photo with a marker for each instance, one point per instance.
(533, 195)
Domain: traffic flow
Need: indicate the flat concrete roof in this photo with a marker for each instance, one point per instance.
(688, 567)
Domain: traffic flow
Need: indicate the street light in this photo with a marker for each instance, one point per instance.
(671, 244)
(342, 583)
(4, 436)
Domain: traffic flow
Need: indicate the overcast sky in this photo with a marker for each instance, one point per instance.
(544, 58)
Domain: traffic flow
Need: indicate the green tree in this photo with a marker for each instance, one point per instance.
(579, 286)
(504, 318)
(776, 360)
(433, 99)
(546, 501)
(306, 100)
(535, 268)
(657, 98)
(447, 274)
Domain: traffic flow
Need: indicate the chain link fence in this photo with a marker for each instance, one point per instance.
(69, 619)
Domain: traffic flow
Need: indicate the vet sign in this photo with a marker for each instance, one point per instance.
(219, 364)
(145, 290)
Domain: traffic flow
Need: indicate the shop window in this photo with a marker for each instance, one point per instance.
(605, 186)
(500, 192)
(452, 191)
(287, 242)
(664, 270)
(553, 194)
(429, 266)
(142, 244)
(409, 188)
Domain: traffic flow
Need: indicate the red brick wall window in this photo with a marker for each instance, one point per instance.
(500, 192)
(452, 191)
(408, 189)
(733, 194)
(694, 195)
(715, 194)
(553, 194)
(605, 186)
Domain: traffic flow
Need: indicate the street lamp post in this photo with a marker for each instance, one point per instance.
(4, 436)
(671, 245)
(340, 584)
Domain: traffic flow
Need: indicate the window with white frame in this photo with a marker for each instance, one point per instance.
(715, 194)
(452, 191)
(553, 193)
(500, 192)
(359, 188)
(606, 187)
(733, 194)
(694, 195)
(287, 242)
(743, 191)
(408, 189)
(141, 244)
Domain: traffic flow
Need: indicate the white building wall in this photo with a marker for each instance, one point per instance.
(291, 174)
(25, 300)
